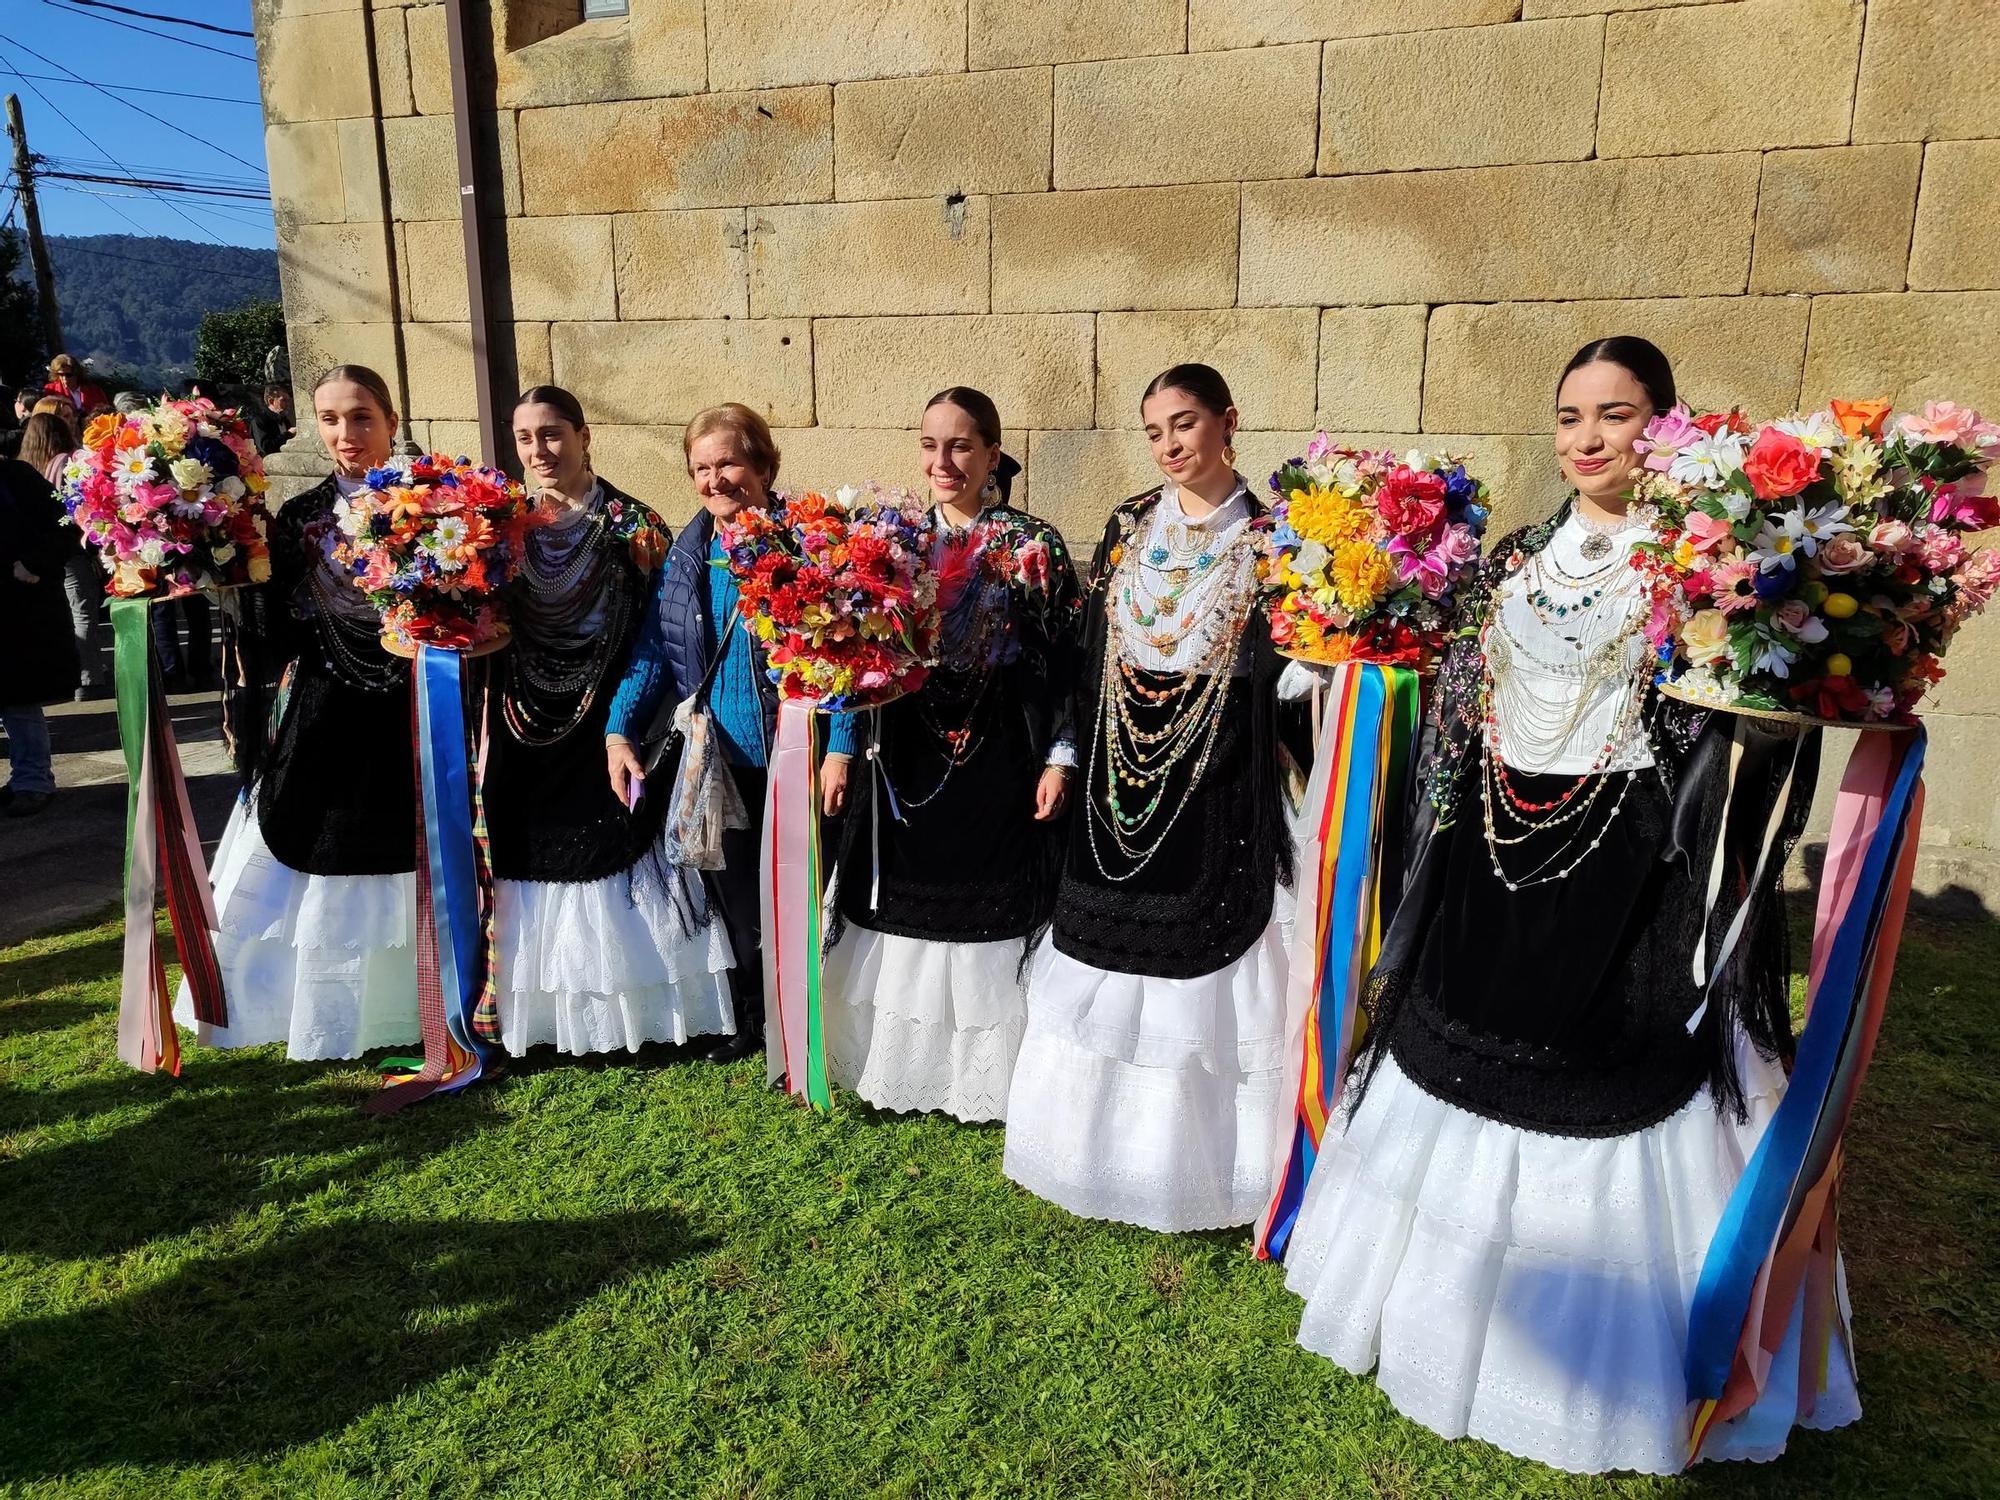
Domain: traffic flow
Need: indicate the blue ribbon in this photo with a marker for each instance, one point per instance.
(1763, 1197)
(1336, 998)
(446, 788)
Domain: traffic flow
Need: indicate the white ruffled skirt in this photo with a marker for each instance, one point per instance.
(326, 964)
(1533, 1290)
(914, 1024)
(588, 966)
(1153, 1101)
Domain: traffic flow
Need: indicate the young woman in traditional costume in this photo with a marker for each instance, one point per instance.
(1151, 1083)
(602, 944)
(1510, 1211)
(950, 855)
(314, 882)
(697, 679)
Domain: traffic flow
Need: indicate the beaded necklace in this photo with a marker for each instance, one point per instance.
(1139, 762)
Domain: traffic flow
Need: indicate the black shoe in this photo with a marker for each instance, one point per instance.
(174, 682)
(27, 804)
(6, 798)
(726, 1049)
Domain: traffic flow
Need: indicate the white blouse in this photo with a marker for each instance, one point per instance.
(1565, 645)
(1168, 539)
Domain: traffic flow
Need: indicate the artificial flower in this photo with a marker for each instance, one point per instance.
(1860, 418)
(1705, 637)
(1779, 465)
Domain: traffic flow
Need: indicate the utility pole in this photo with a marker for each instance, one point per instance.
(38, 250)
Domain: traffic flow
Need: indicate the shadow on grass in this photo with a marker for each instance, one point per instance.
(28, 974)
(251, 1353)
(24, 1017)
(248, 1132)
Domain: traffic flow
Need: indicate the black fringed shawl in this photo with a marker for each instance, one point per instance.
(968, 862)
(1207, 894)
(1691, 752)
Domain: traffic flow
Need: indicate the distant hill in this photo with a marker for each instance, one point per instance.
(135, 301)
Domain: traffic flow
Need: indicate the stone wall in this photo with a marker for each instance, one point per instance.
(1390, 218)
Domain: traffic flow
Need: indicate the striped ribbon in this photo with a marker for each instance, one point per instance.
(160, 834)
(792, 920)
(1774, 1254)
(453, 911)
(1351, 812)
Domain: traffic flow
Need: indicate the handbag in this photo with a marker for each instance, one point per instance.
(704, 800)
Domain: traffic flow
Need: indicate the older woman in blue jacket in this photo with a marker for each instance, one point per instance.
(690, 646)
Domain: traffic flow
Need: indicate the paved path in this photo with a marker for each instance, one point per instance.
(68, 861)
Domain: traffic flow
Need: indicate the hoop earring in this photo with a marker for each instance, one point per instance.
(1229, 454)
(989, 491)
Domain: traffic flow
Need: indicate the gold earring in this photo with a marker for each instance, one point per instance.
(1229, 454)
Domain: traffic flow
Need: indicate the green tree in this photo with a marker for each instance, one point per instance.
(21, 348)
(230, 346)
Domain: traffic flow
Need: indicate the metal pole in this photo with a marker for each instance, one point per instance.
(38, 250)
(473, 230)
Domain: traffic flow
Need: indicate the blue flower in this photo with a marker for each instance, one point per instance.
(215, 453)
(1775, 585)
(382, 477)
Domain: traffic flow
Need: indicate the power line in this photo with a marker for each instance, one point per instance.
(167, 36)
(99, 146)
(147, 15)
(151, 169)
(138, 108)
(134, 89)
(157, 185)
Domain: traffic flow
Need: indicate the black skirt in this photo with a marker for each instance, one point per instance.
(1206, 894)
(1561, 1007)
(967, 862)
(337, 792)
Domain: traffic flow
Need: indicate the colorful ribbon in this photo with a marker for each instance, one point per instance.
(159, 832)
(792, 920)
(1774, 1254)
(454, 898)
(1351, 813)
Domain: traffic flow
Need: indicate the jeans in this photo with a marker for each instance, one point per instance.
(84, 585)
(32, 770)
(196, 667)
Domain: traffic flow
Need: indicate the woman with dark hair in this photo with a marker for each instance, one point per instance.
(697, 680)
(46, 444)
(1510, 1211)
(39, 665)
(314, 878)
(1150, 1085)
(949, 852)
(601, 947)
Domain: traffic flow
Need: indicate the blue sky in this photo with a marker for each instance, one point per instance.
(108, 48)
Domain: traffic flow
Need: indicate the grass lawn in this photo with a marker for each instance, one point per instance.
(654, 1277)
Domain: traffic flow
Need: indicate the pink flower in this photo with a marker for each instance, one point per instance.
(1458, 546)
(1940, 549)
(1668, 431)
(1425, 565)
(1032, 557)
(1706, 532)
(1735, 587)
(1844, 554)
(1959, 505)
(1948, 422)
(1978, 577)
(1795, 617)
(1891, 538)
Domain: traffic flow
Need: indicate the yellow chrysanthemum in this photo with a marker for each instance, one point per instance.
(1320, 515)
(1361, 574)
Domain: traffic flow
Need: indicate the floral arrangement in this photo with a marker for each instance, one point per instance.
(839, 591)
(1365, 552)
(432, 542)
(171, 496)
(1816, 565)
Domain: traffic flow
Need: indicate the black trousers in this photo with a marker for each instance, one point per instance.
(734, 891)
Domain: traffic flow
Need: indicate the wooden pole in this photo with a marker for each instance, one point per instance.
(38, 250)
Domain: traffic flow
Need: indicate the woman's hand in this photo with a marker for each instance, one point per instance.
(1051, 792)
(623, 766)
(833, 783)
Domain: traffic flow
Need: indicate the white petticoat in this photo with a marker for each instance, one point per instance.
(1533, 1290)
(1153, 1101)
(323, 963)
(587, 966)
(914, 1024)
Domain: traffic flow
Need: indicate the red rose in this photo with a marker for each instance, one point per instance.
(1412, 503)
(1779, 465)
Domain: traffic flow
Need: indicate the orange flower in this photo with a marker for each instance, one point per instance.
(130, 437)
(98, 429)
(1859, 418)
